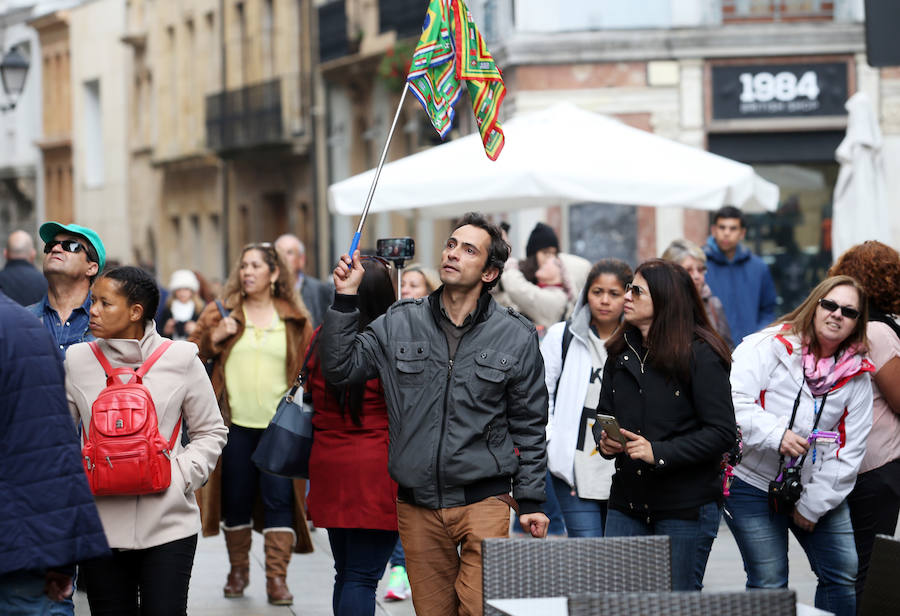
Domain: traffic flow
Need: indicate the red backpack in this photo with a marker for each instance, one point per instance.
(124, 453)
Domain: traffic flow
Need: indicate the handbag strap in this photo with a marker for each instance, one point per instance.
(300, 381)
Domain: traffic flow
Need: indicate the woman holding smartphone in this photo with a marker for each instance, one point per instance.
(666, 383)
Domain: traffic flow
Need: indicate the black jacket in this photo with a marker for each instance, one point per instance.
(460, 430)
(22, 282)
(317, 297)
(689, 428)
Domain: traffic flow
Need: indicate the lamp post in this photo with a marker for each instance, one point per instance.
(13, 71)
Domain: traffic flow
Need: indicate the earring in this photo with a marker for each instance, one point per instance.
(272, 288)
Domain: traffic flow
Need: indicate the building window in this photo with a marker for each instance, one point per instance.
(93, 135)
(776, 10)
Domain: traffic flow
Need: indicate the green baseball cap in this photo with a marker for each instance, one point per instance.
(50, 229)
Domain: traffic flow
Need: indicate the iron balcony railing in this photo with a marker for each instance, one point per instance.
(263, 114)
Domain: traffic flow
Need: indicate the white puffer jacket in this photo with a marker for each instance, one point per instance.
(765, 377)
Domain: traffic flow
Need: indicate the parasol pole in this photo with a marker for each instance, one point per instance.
(362, 221)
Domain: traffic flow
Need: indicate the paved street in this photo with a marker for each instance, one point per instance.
(310, 578)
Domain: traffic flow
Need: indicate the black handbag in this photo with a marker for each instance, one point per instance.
(286, 443)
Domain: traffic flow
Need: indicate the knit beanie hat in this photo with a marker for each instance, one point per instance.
(542, 236)
(184, 279)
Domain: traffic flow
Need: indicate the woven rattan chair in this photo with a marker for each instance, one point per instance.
(526, 568)
(780, 602)
(881, 593)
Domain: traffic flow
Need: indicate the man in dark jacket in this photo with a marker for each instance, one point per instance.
(467, 406)
(315, 293)
(739, 278)
(48, 520)
(20, 279)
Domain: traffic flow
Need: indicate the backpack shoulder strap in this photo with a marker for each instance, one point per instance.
(107, 369)
(875, 315)
(145, 367)
(566, 341)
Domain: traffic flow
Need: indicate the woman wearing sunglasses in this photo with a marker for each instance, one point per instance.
(257, 339)
(803, 398)
(666, 383)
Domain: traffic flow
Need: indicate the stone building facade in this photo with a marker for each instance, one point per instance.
(758, 81)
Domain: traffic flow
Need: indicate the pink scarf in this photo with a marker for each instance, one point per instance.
(821, 376)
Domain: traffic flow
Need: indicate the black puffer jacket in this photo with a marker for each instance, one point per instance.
(689, 428)
(460, 430)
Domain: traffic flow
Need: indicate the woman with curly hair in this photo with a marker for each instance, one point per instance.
(257, 342)
(875, 500)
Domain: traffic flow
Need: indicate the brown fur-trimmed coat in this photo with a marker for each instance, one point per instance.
(298, 333)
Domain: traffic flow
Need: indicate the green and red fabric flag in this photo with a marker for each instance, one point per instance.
(451, 51)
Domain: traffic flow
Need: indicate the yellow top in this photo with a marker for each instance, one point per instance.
(254, 374)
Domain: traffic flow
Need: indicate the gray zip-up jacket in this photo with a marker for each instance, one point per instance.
(460, 430)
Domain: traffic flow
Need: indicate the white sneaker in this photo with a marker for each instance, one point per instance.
(398, 585)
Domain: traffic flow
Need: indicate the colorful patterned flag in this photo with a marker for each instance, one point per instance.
(449, 52)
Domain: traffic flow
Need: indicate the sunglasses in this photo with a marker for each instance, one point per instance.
(831, 306)
(67, 245)
(259, 246)
(636, 290)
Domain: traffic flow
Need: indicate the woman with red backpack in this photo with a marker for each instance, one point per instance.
(142, 476)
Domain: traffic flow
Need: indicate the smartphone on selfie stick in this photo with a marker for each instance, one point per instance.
(398, 250)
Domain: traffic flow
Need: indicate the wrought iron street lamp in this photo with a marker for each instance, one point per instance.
(13, 71)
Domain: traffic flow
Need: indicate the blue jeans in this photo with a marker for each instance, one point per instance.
(398, 556)
(359, 558)
(690, 540)
(584, 517)
(241, 480)
(762, 539)
(22, 594)
(551, 510)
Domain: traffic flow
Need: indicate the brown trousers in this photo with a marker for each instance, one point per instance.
(443, 554)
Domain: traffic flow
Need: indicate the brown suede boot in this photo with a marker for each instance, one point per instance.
(238, 544)
(278, 546)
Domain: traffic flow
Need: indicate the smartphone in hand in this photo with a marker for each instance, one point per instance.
(610, 425)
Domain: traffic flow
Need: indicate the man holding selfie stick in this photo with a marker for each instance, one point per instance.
(467, 405)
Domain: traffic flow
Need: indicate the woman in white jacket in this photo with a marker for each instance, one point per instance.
(574, 355)
(153, 536)
(806, 373)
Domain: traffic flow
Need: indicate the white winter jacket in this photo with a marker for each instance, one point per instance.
(765, 377)
(567, 401)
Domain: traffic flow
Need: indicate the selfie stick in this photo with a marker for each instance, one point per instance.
(355, 243)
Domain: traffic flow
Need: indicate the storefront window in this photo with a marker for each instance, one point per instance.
(795, 240)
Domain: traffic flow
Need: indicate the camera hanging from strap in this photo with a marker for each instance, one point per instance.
(791, 425)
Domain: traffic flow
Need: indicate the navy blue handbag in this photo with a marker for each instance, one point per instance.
(286, 443)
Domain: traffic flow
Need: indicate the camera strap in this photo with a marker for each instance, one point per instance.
(791, 425)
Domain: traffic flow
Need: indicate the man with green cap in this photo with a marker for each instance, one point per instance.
(73, 257)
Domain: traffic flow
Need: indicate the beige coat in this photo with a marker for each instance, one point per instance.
(180, 388)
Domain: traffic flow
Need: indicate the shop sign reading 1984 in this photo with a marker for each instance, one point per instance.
(779, 90)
